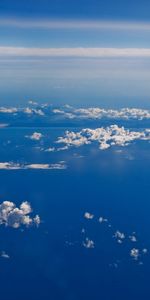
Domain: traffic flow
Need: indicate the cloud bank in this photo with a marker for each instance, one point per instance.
(70, 112)
(73, 52)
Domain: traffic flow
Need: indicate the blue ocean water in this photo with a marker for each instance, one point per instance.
(51, 261)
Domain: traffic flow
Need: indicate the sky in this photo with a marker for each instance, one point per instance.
(75, 52)
(74, 155)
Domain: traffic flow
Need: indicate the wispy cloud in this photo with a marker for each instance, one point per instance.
(74, 52)
(73, 24)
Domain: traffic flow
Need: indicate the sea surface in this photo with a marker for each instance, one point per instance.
(54, 260)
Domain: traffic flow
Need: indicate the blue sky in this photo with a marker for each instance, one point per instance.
(115, 73)
(104, 9)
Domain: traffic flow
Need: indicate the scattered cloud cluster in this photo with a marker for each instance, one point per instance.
(70, 112)
(120, 237)
(30, 111)
(89, 244)
(128, 244)
(106, 137)
(26, 110)
(17, 166)
(13, 216)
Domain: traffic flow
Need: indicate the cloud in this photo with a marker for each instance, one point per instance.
(12, 216)
(89, 244)
(36, 136)
(58, 166)
(103, 220)
(8, 110)
(99, 113)
(17, 166)
(133, 238)
(134, 253)
(73, 52)
(89, 216)
(9, 166)
(25, 110)
(3, 254)
(119, 236)
(30, 111)
(50, 149)
(106, 137)
(74, 24)
(69, 112)
(3, 125)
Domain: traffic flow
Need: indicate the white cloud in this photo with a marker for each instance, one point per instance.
(133, 238)
(99, 113)
(74, 52)
(74, 24)
(106, 137)
(3, 254)
(3, 125)
(8, 110)
(89, 244)
(30, 111)
(102, 220)
(36, 136)
(14, 217)
(88, 215)
(134, 253)
(119, 236)
(9, 166)
(16, 166)
(50, 149)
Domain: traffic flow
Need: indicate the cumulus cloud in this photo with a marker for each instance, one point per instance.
(30, 111)
(134, 253)
(13, 216)
(88, 215)
(133, 238)
(25, 110)
(50, 149)
(106, 137)
(102, 220)
(69, 112)
(89, 244)
(36, 136)
(99, 113)
(16, 166)
(119, 236)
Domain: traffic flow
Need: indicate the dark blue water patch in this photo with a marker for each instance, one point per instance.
(50, 262)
